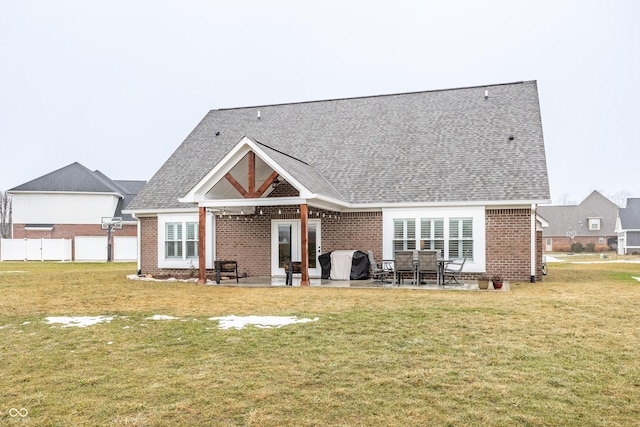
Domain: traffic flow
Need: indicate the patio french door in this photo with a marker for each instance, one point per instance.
(285, 245)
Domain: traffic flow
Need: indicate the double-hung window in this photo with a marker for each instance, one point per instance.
(192, 239)
(178, 243)
(173, 240)
(460, 238)
(432, 234)
(404, 234)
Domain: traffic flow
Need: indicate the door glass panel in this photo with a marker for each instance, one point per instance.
(313, 256)
(284, 244)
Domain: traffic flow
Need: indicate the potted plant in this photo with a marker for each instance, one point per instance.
(497, 281)
(483, 282)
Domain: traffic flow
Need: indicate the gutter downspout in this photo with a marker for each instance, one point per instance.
(139, 249)
(534, 253)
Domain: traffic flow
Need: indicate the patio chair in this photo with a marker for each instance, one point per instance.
(380, 272)
(403, 264)
(453, 271)
(428, 264)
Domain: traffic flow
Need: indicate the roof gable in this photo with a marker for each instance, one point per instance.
(434, 147)
(575, 217)
(630, 216)
(220, 183)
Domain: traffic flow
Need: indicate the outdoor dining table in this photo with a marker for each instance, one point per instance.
(442, 262)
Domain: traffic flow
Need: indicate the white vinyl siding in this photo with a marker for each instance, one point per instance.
(62, 208)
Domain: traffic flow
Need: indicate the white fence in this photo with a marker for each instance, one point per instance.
(35, 249)
(87, 248)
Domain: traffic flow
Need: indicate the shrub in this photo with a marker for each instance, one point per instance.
(601, 248)
(562, 248)
(590, 247)
(577, 248)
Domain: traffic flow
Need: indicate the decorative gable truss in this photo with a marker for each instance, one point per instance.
(234, 179)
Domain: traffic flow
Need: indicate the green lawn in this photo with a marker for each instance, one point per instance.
(564, 351)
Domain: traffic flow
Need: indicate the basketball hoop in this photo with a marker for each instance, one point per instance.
(111, 223)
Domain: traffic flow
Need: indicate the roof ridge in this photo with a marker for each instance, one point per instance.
(281, 152)
(304, 163)
(109, 182)
(373, 96)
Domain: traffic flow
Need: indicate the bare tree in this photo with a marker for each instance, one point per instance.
(5, 215)
(620, 198)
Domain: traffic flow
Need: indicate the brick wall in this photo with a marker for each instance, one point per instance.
(247, 239)
(149, 246)
(357, 230)
(69, 231)
(508, 244)
(563, 243)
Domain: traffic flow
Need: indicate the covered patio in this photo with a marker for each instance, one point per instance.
(265, 282)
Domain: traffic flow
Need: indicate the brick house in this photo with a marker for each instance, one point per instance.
(461, 170)
(592, 222)
(69, 203)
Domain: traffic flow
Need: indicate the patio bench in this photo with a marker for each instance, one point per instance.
(226, 267)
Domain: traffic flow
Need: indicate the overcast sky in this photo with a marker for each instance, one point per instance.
(117, 85)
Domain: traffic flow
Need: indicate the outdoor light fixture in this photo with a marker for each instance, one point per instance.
(275, 183)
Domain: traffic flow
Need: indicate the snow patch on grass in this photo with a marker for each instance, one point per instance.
(161, 317)
(239, 322)
(78, 321)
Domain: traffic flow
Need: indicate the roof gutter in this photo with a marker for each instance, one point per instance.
(328, 203)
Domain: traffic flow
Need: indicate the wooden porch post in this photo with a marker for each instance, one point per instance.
(202, 235)
(304, 244)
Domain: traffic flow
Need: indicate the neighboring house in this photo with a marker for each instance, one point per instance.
(591, 222)
(70, 203)
(628, 228)
(461, 170)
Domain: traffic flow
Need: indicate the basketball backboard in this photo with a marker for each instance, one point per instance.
(115, 222)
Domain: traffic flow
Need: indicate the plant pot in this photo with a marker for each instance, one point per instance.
(483, 284)
(497, 284)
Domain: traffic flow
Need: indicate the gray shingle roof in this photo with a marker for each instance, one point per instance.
(431, 147)
(560, 218)
(630, 216)
(72, 178)
(77, 178)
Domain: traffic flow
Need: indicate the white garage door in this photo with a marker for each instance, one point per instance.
(125, 248)
(91, 248)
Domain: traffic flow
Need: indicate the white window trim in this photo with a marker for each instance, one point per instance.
(185, 262)
(477, 213)
(593, 221)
